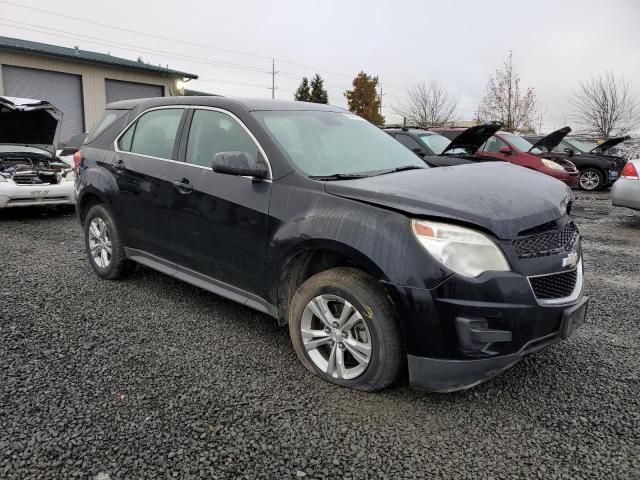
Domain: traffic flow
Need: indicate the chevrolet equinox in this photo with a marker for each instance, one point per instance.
(312, 215)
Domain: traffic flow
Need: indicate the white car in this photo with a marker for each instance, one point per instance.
(30, 171)
(626, 191)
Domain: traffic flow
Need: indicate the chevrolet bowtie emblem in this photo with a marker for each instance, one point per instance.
(570, 260)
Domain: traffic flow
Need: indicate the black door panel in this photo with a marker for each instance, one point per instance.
(146, 195)
(220, 226)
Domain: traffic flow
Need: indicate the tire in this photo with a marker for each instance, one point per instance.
(591, 180)
(370, 322)
(111, 265)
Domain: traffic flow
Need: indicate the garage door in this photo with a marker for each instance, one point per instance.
(60, 89)
(118, 90)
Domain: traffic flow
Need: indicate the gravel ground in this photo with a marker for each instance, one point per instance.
(153, 378)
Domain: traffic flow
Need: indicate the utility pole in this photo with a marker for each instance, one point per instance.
(380, 99)
(273, 78)
(540, 127)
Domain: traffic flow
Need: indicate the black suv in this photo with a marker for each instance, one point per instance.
(598, 170)
(317, 218)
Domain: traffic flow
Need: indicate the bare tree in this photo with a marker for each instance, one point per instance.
(428, 105)
(604, 106)
(505, 103)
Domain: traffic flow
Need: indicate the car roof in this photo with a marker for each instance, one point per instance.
(250, 104)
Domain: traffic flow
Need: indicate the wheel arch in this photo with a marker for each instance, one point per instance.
(312, 257)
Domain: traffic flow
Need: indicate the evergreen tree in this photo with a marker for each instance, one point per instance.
(364, 100)
(318, 92)
(303, 94)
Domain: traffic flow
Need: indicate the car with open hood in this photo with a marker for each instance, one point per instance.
(30, 171)
(598, 168)
(315, 217)
(513, 148)
(439, 151)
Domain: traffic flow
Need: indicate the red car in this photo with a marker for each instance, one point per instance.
(515, 149)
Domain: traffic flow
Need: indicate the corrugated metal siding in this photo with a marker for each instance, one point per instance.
(118, 90)
(93, 79)
(63, 90)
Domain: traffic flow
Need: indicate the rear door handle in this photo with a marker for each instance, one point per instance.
(183, 185)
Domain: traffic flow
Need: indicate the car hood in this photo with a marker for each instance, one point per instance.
(497, 196)
(472, 138)
(24, 121)
(552, 140)
(607, 144)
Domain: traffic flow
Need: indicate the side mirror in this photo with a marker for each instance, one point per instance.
(569, 152)
(418, 151)
(240, 164)
(505, 150)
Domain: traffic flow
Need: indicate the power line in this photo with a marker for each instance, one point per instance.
(131, 48)
(160, 37)
(177, 40)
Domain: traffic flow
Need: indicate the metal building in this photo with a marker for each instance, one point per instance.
(79, 82)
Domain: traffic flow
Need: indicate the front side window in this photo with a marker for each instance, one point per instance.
(408, 142)
(493, 145)
(153, 134)
(334, 143)
(521, 144)
(212, 132)
(436, 143)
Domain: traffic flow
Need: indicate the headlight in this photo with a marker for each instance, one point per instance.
(551, 164)
(2, 179)
(465, 251)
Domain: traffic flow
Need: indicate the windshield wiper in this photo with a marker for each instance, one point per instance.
(339, 176)
(399, 169)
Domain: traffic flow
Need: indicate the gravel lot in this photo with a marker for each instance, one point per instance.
(153, 378)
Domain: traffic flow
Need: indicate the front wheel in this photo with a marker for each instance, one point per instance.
(591, 180)
(343, 329)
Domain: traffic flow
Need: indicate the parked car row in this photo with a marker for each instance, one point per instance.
(553, 154)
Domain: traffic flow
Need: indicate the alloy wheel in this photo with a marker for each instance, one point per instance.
(336, 337)
(589, 180)
(100, 242)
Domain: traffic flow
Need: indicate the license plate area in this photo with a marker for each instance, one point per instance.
(573, 318)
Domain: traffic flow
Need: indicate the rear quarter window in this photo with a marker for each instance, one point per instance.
(109, 117)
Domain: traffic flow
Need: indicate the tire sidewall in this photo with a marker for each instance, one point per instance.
(372, 316)
(99, 211)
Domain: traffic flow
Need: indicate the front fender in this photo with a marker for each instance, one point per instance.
(379, 239)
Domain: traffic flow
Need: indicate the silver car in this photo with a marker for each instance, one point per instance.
(626, 191)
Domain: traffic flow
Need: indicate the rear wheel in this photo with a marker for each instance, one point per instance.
(591, 179)
(104, 245)
(343, 329)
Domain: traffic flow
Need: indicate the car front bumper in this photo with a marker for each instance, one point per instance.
(442, 375)
(13, 195)
(626, 193)
(467, 331)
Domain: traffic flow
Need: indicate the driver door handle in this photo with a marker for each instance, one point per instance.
(182, 185)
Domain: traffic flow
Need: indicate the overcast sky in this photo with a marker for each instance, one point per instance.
(460, 43)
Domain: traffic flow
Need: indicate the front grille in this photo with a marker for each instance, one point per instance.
(547, 243)
(27, 179)
(557, 285)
